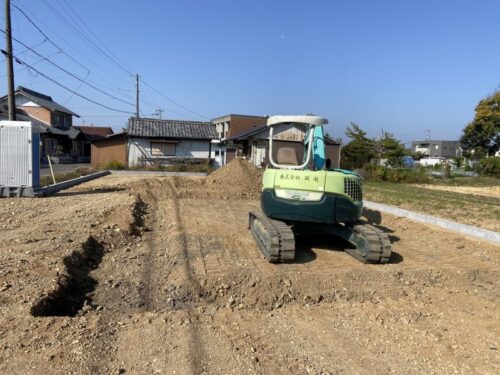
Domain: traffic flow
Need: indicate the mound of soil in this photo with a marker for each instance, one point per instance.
(238, 176)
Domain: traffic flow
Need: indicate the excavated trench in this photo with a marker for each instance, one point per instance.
(139, 211)
(74, 284)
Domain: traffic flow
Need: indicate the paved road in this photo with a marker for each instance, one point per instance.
(60, 168)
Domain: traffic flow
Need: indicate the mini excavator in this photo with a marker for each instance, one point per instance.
(302, 195)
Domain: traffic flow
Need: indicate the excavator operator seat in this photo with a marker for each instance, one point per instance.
(287, 156)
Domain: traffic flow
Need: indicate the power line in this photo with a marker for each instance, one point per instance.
(85, 38)
(153, 104)
(70, 73)
(82, 22)
(46, 37)
(23, 12)
(108, 55)
(35, 63)
(174, 102)
(66, 88)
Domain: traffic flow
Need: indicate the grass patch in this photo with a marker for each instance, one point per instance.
(469, 209)
(60, 177)
(184, 167)
(482, 181)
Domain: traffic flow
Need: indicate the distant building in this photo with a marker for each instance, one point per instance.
(441, 149)
(160, 142)
(81, 143)
(153, 142)
(230, 126)
(55, 120)
(254, 144)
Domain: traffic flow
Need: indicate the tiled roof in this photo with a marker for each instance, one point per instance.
(41, 99)
(155, 128)
(99, 131)
(247, 133)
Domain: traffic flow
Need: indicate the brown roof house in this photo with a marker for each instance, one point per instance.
(55, 121)
(81, 149)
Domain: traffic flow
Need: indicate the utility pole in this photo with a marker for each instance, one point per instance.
(10, 68)
(137, 95)
(428, 134)
(159, 113)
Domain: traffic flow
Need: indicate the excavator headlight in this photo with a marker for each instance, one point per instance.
(299, 195)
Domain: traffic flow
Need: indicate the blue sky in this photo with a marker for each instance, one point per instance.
(404, 66)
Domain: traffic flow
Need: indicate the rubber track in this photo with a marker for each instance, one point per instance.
(277, 243)
(378, 245)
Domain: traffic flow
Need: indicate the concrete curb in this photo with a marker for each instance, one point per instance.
(52, 189)
(158, 173)
(468, 230)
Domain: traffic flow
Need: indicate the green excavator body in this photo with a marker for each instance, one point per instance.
(324, 196)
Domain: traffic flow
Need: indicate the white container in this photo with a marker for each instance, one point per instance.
(19, 158)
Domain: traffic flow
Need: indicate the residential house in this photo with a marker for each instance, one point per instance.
(160, 142)
(149, 142)
(54, 119)
(254, 144)
(230, 126)
(81, 148)
(440, 149)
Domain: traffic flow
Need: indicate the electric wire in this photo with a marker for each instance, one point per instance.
(70, 73)
(82, 22)
(107, 55)
(19, 61)
(85, 38)
(33, 23)
(174, 102)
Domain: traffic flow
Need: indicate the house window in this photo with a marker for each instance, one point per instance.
(56, 119)
(436, 147)
(67, 122)
(216, 152)
(162, 149)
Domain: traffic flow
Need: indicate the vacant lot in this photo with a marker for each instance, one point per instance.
(126, 275)
(474, 205)
(484, 186)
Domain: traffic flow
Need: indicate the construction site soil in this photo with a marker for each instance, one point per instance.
(160, 275)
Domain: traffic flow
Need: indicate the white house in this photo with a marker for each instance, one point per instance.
(160, 142)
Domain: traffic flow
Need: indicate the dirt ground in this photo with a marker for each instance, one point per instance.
(128, 275)
(487, 191)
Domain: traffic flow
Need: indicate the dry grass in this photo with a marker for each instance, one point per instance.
(473, 209)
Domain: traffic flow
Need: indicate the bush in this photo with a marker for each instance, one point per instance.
(83, 171)
(488, 166)
(114, 165)
(459, 161)
(185, 167)
(408, 175)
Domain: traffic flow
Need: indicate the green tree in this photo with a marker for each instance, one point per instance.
(483, 134)
(359, 150)
(388, 147)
